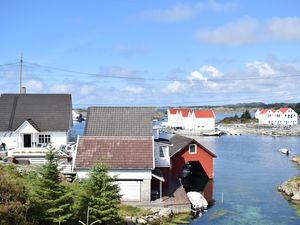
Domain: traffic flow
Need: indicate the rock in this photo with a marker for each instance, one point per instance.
(133, 219)
(165, 212)
(141, 221)
(296, 196)
(128, 220)
(155, 210)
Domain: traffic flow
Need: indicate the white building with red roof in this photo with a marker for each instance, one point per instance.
(282, 116)
(190, 119)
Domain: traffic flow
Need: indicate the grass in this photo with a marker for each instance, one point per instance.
(127, 210)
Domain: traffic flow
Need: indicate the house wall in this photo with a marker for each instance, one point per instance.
(14, 140)
(205, 159)
(144, 176)
(204, 124)
(290, 117)
(159, 161)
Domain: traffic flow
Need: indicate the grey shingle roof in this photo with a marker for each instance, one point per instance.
(119, 121)
(48, 112)
(179, 142)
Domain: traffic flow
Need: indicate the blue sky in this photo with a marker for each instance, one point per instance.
(158, 53)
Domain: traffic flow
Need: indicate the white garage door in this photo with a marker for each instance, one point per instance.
(130, 190)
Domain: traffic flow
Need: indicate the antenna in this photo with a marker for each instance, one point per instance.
(21, 71)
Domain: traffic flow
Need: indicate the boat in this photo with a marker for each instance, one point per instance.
(186, 171)
(198, 202)
(285, 151)
(212, 133)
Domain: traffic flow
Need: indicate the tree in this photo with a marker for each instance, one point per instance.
(246, 115)
(13, 203)
(51, 203)
(102, 196)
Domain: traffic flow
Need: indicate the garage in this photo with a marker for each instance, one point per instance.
(130, 190)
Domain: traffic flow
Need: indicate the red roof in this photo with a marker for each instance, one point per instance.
(204, 114)
(184, 111)
(116, 152)
(173, 111)
(263, 111)
(283, 110)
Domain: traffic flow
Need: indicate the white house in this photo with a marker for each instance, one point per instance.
(190, 119)
(282, 116)
(29, 122)
(122, 138)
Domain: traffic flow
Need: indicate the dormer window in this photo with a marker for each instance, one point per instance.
(192, 149)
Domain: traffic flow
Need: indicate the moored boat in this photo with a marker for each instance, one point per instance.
(197, 200)
(213, 133)
(285, 151)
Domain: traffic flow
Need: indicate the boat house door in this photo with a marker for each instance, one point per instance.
(27, 140)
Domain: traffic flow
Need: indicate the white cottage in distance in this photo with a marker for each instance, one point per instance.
(29, 122)
(282, 116)
(190, 119)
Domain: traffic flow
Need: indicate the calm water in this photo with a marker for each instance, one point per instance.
(247, 170)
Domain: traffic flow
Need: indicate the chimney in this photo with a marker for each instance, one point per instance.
(23, 90)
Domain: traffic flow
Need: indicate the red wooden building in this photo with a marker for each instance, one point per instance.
(187, 150)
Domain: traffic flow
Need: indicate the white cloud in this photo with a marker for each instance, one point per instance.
(211, 70)
(243, 31)
(134, 90)
(175, 87)
(260, 68)
(287, 28)
(184, 12)
(34, 85)
(62, 88)
(196, 75)
(87, 89)
(249, 30)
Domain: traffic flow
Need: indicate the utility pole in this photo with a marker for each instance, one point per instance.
(21, 71)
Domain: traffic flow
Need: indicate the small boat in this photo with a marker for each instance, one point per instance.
(197, 200)
(186, 171)
(213, 133)
(285, 151)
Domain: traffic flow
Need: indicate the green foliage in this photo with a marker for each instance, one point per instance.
(101, 196)
(246, 115)
(13, 197)
(50, 201)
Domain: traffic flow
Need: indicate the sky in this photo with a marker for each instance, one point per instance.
(153, 53)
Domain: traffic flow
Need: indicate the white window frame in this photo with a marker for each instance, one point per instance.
(190, 149)
(44, 138)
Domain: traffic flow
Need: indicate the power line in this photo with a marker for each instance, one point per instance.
(106, 75)
(9, 64)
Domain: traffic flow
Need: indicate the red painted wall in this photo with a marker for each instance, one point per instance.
(205, 159)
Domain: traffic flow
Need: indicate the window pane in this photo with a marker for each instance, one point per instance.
(192, 149)
(161, 152)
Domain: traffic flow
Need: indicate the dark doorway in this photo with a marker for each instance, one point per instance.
(27, 140)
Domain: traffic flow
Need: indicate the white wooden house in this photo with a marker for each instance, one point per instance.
(30, 122)
(190, 119)
(282, 116)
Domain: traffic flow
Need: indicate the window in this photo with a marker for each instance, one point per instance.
(192, 149)
(44, 138)
(162, 151)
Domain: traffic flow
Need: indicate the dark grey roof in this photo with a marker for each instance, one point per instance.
(119, 121)
(179, 142)
(48, 112)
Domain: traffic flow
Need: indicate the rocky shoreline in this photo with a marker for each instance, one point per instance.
(291, 188)
(154, 214)
(260, 130)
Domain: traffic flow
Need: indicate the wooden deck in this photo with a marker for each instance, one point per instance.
(175, 197)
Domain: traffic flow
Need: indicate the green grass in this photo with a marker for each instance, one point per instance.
(127, 210)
